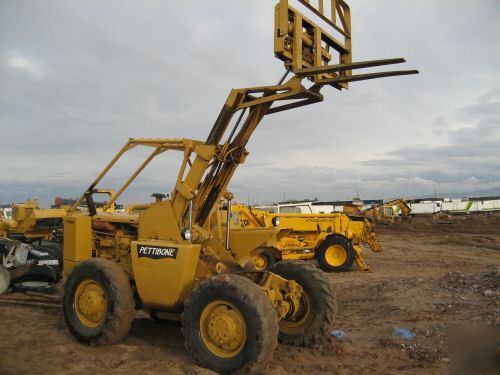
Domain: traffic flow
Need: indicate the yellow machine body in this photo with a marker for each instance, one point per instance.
(78, 243)
(146, 240)
(164, 272)
(32, 222)
(298, 235)
(35, 223)
(382, 214)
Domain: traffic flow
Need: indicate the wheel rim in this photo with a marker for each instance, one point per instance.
(260, 262)
(223, 329)
(90, 303)
(335, 255)
(301, 316)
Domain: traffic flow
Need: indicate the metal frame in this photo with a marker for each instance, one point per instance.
(316, 46)
(159, 145)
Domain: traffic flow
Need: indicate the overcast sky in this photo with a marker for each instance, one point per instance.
(77, 78)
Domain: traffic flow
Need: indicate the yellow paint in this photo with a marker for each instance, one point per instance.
(302, 43)
(298, 235)
(223, 329)
(284, 294)
(165, 283)
(260, 262)
(202, 180)
(90, 303)
(26, 216)
(335, 255)
(244, 242)
(301, 316)
(158, 221)
(383, 213)
(77, 240)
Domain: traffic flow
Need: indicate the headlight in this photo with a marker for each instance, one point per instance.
(186, 234)
(276, 221)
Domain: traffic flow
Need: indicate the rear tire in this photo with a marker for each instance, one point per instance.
(98, 303)
(58, 250)
(54, 253)
(229, 325)
(317, 308)
(335, 254)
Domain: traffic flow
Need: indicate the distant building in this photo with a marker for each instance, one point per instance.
(324, 207)
(454, 206)
(418, 206)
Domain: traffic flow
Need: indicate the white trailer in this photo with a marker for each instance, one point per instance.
(418, 207)
(425, 207)
(490, 205)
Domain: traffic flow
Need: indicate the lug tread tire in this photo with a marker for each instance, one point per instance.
(58, 249)
(121, 305)
(55, 253)
(335, 240)
(321, 296)
(260, 317)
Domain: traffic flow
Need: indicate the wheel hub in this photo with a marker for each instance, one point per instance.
(90, 303)
(335, 255)
(223, 329)
(260, 261)
(300, 313)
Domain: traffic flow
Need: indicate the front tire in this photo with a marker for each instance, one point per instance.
(335, 254)
(317, 305)
(229, 325)
(98, 303)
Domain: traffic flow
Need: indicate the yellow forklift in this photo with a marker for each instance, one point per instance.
(175, 259)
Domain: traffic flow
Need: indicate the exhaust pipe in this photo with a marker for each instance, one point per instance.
(228, 224)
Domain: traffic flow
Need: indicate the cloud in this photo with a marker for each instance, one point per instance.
(24, 65)
(466, 159)
(473, 145)
(77, 80)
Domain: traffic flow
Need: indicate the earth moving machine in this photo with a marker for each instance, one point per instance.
(175, 260)
(30, 251)
(334, 240)
(31, 254)
(26, 266)
(30, 223)
(381, 214)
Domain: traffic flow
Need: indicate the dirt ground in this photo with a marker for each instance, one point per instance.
(433, 274)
